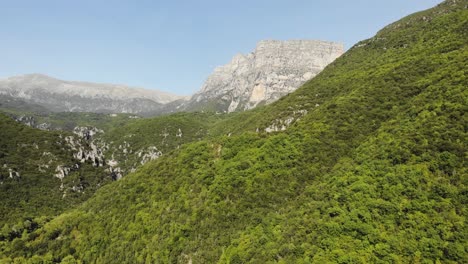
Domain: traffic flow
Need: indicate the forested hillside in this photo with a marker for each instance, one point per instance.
(135, 143)
(67, 121)
(369, 168)
(32, 162)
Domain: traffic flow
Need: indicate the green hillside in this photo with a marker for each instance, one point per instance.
(29, 157)
(372, 169)
(129, 143)
(125, 138)
(67, 121)
(28, 164)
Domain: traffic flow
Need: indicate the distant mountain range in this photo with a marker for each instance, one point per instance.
(273, 70)
(71, 96)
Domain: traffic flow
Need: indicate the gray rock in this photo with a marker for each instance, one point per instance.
(272, 70)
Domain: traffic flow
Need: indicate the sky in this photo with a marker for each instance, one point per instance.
(173, 45)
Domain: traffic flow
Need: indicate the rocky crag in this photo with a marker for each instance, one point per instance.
(272, 70)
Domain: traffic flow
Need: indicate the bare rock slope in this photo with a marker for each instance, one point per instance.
(272, 70)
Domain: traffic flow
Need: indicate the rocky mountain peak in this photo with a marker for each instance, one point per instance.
(274, 69)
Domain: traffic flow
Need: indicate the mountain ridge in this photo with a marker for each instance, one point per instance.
(73, 96)
(122, 91)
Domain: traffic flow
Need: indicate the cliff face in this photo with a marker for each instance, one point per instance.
(272, 70)
(68, 96)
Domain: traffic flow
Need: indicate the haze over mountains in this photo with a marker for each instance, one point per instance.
(274, 69)
(72, 96)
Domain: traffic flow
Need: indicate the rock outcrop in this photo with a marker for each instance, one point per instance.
(274, 69)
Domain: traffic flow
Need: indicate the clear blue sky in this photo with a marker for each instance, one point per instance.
(171, 45)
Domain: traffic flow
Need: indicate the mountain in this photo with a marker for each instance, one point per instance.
(369, 168)
(69, 96)
(272, 70)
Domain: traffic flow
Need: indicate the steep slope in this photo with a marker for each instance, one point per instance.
(272, 70)
(374, 171)
(66, 96)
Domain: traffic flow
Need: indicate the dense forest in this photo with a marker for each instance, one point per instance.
(372, 169)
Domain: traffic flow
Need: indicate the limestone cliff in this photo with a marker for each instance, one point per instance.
(272, 70)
